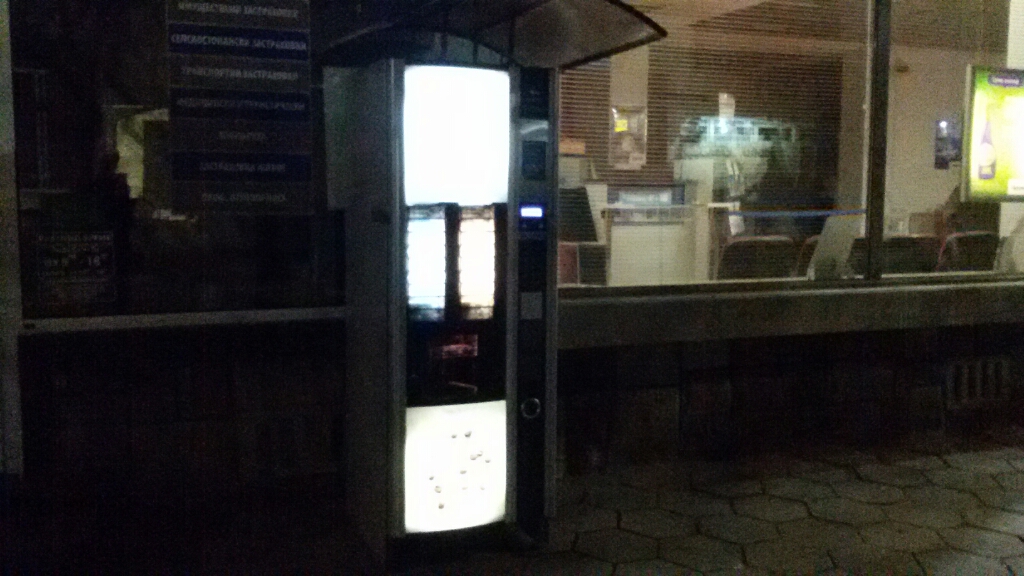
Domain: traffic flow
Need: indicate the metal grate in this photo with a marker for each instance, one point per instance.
(977, 383)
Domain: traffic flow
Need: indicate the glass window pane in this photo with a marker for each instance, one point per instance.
(933, 222)
(160, 174)
(718, 153)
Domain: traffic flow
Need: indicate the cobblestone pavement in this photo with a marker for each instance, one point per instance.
(930, 506)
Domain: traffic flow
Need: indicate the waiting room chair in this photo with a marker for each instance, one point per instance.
(806, 253)
(750, 257)
(910, 254)
(968, 251)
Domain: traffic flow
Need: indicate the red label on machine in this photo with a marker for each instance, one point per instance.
(457, 346)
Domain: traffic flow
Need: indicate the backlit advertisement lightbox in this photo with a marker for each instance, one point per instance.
(994, 170)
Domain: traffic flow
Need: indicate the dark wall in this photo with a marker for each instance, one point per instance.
(197, 419)
(734, 397)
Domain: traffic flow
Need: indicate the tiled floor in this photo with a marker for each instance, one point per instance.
(930, 506)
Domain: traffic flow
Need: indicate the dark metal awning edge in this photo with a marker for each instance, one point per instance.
(432, 11)
(657, 33)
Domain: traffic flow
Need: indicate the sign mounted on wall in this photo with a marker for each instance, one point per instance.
(240, 105)
(628, 139)
(947, 144)
(994, 170)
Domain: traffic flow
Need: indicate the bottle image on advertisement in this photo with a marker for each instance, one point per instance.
(987, 151)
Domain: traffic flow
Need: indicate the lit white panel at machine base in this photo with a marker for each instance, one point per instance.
(456, 135)
(426, 263)
(476, 262)
(454, 466)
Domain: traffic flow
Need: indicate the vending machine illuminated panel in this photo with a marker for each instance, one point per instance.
(425, 261)
(477, 262)
(456, 143)
(456, 134)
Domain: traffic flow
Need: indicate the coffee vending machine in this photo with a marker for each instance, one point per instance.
(442, 153)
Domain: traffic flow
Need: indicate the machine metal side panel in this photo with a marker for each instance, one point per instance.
(512, 308)
(536, 248)
(370, 206)
(10, 282)
(399, 298)
(551, 370)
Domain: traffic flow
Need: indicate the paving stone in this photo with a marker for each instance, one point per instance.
(923, 463)
(1012, 500)
(818, 472)
(651, 568)
(765, 466)
(983, 542)
(1003, 453)
(561, 537)
(934, 442)
(1011, 481)
(998, 520)
(958, 479)
(830, 477)
(891, 475)
(818, 534)
(623, 498)
(592, 481)
(901, 537)
(1014, 565)
(503, 564)
(924, 516)
(891, 455)
(941, 497)
(672, 475)
(738, 529)
(845, 511)
(978, 463)
(614, 545)
(797, 489)
(1018, 464)
(734, 489)
(956, 563)
(566, 564)
(570, 494)
(866, 559)
(702, 553)
(657, 523)
(583, 518)
(868, 492)
(769, 508)
(740, 571)
(693, 504)
(839, 456)
(787, 557)
(703, 473)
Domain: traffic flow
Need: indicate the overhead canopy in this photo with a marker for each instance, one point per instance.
(535, 33)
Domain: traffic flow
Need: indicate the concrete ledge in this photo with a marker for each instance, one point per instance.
(590, 322)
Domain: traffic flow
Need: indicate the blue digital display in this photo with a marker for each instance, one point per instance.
(531, 211)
